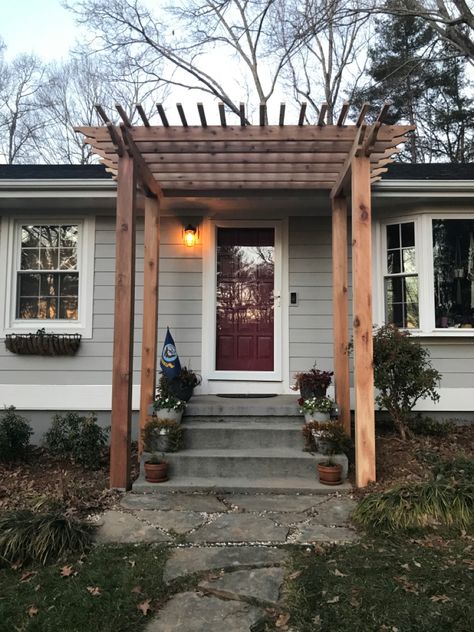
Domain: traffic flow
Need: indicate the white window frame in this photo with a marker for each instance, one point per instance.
(424, 263)
(10, 246)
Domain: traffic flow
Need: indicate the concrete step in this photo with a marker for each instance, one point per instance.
(214, 406)
(255, 463)
(238, 485)
(207, 434)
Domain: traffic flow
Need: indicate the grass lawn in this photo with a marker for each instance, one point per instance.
(405, 586)
(111, 589)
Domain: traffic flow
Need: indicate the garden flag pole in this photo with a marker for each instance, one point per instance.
(169, 360)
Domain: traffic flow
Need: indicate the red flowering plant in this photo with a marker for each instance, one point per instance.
(312, 383)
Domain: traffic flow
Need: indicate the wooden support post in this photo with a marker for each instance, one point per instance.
(340, 309)
(362, 324)
(122, 368)
(150, 311)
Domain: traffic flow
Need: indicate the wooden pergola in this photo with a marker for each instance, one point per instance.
(173, 161)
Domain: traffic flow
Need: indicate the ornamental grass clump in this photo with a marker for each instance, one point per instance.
(27, 536)
(402, 374)
(432, 503)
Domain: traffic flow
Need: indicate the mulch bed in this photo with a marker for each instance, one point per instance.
(43, 479)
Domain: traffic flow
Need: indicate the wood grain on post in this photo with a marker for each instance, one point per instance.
(150, 311)
(122, 368)
(340, 310)
(362, 323)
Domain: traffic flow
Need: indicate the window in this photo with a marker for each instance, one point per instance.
(453, 268)
(49, 275)
(401, 279)
(428, 273)
(48, 278)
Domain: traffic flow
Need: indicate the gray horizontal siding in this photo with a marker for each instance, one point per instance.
(180, 308)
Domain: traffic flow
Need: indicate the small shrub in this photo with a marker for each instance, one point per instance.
(403, 375)
(459, 469)
(427, 426)
(417, 505)
(77, 437)
(15, 433)
(26, 536)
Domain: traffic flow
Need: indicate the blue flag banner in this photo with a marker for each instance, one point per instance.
(169, 361)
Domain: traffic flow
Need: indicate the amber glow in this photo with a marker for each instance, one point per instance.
(190, 236)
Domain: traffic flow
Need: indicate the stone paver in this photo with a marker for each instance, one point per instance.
(177, 521)
(274, 502)
(263, 584)
(179, 502)
(239, 527)
(336, 511)
(190, 612)
(315, 532)
(186, 561)
(116, 526)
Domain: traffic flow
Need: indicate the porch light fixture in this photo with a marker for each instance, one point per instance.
(190, 236)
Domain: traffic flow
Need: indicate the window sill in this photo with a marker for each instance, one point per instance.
(58, 327)
(468, 332)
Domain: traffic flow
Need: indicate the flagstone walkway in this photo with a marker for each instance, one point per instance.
(233, 542)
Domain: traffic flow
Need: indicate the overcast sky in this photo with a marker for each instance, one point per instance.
(42, 27)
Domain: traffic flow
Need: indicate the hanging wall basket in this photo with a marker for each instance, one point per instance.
(43, 344)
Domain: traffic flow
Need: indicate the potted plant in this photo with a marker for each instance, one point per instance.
(316, 408)
(182, 386)
(162, 435)
(312, 383)
(333, 440)
(167, 406)
(156, 469)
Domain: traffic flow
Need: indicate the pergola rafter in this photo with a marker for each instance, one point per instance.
(173, 161)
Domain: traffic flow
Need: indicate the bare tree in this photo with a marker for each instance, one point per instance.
(176, 46)
(20, 83)
(330, 55)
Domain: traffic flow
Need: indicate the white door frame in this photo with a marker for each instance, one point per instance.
(275, 381)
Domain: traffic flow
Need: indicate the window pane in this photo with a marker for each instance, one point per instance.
(401, 301)
(49, 236)
(27, 308)
(67, 259)
(393, 262)
(408, 255)
(408, 234)
(49, 285)
(69, 236)
(30, 259)
(49, 258)
(47, 308)
(30, 236)
(393, 236)
(68, 308)
(453, 267)
(29, 285)
(69, 285)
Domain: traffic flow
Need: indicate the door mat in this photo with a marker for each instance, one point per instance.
(247, 395)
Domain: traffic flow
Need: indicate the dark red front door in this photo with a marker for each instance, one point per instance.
(245, 284)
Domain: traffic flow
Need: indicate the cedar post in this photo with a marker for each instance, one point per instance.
(362, 323)
(122, 369)
(340, 309)
(150, 311)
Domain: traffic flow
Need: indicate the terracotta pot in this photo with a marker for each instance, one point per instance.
(330, 474)
(156, 472)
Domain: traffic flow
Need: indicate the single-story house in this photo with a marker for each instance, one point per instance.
(247, 292)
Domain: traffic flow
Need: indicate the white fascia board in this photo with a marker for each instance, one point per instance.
(37, 188)
(423, 188)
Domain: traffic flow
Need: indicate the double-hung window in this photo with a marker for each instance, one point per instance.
(49, 274)
(428, 273)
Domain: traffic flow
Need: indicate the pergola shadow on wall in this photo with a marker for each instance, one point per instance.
(226, 160)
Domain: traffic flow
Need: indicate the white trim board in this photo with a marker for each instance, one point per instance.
(95, 397)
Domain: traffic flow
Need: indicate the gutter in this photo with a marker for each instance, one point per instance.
(423, 188)
(67, 187)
